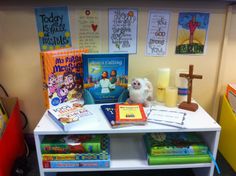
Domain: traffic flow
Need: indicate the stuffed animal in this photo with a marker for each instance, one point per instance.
(141, 91)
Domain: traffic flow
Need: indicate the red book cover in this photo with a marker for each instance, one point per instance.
(130, 113)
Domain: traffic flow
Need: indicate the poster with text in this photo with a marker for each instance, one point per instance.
(89, 30)
(123, 24)
(157, 36)
(192, 32)
(53, 28)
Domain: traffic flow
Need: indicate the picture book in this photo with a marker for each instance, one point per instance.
(160, 144)
(77, 164)
(109, 112)
(103, 155)
(105, 78)
(130, 113)
(53, 144)
(62, 75)
(71, 114)
(53, 28)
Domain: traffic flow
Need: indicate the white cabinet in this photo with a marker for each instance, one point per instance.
(127, 147)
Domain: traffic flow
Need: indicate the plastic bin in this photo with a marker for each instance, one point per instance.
(227, 144)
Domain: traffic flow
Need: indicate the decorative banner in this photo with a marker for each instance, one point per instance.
(192, 32)
(157, 33)
(53, 28)
(123, 24)
(89, 30)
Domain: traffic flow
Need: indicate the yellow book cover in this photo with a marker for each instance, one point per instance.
(62, 75)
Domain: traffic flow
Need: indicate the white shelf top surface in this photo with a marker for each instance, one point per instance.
(194, 121)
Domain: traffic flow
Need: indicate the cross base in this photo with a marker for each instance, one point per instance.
(188, 106)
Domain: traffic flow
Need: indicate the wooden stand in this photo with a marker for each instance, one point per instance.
(189, 105)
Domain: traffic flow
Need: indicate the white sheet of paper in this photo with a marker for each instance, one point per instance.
(123, 25)
(157, 36)
(166, 116)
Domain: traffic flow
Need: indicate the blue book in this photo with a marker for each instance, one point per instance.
(53, 28)
(77, 164)
(105, 78)
(109, 112)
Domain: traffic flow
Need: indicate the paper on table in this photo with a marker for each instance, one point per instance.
(166, 116)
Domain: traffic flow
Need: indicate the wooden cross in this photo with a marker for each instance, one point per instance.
(190, 76)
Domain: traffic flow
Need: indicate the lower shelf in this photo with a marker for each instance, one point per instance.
(128, 153)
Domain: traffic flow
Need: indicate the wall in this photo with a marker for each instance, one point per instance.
(19, 49)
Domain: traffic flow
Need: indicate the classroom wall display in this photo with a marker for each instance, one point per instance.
(157, 36)
(123, 26)
(89, 30)
(192, 32)
(53, 28)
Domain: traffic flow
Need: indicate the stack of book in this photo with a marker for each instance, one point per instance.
(175, 148)
(73, 151)
(123, 115)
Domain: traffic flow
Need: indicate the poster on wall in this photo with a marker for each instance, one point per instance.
(192, 33)
(123, 26)
(157, 36)
(89, 30)
(53, 28)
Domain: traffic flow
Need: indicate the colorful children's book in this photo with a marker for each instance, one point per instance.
(177, 144)
(109, 112)
(130, 113)
(182, 159)
(53, 144)
(71, 114)
(62, 75)
(53, 28)
(105, 78)
(77, 164)
(103, 155)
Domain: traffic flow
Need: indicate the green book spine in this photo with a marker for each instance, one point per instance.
(186, 159)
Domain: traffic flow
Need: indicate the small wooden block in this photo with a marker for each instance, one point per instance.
(188, 106)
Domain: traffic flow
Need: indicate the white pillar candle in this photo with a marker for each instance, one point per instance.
(182, 85)
(171, 95)
(163, 78)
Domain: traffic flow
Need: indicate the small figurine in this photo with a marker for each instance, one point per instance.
(141, 91)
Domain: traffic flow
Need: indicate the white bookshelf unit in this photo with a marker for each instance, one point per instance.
(127, 146)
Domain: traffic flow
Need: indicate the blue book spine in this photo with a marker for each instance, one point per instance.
(77, 164)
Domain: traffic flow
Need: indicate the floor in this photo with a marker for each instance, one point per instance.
(226, 170)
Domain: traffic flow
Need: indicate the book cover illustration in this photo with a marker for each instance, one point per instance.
(62, 75)
(130, 113)
(160, 144)
(192, 32)
(103, 155)
(61, 144)
(53, 28)
(109, 112)
(105, 78)
(71, 114)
